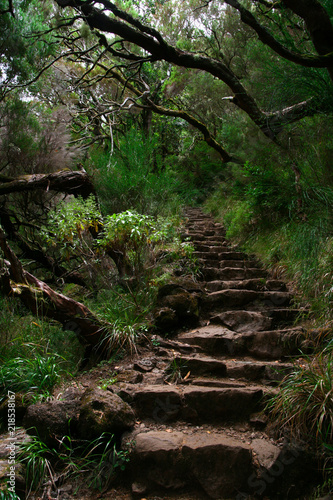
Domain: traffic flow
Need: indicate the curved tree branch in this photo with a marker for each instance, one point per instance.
(324, 60)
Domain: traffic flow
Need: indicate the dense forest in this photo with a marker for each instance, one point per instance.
(114, 117)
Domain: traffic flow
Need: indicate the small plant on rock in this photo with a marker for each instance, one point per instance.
(176, 371)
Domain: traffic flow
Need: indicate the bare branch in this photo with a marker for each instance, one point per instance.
(322, 61)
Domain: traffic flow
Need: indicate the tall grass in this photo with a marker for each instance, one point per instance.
(304, 403)
(34, 353)
(36, 375)
(94, 463)
(134, 177)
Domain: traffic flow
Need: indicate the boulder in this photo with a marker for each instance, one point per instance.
(52, 420)
(102, 411)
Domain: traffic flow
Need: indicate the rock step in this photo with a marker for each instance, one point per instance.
(249, 284)
(216, 246)
(238, 298)
(248, 369)
(196, 404)
(223, 255)
(202, 236)
(212, 464)
(197, 463)
(231, 273)
(203, 224)
(212, 242)
(269, 345)
(217, 263)
(254, 321)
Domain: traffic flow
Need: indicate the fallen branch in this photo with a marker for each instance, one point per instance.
(41, 298)
(68, 181)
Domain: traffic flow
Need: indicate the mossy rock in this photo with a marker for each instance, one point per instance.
(102, 411)
(166, 319)
(52, 420)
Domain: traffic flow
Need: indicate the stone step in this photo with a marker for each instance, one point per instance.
(266, 372)
(212, 263)
(248, 369)
(212, 255)
(243, 321)
(200, 365)
(197, 236)
(223, 255)
(200, 218)
(238, 298)
(215, 241)
(233, 255)
(269, 345)
(239, 263)
(249, 284)
(196, 404)
(212, 247)
(202, 463)
(213, 465)
(231, 273)
(282, 316)
(248, 321)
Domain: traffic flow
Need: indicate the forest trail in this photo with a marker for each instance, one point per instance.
(201, 433)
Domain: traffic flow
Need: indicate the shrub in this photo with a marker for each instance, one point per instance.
(134, 177)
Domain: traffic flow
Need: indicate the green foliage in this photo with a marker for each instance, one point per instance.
(33, 353)
(105, 383)
(199, 169)
(97, 461)
(127, 310)
(289, 229)
(36, 375)
(135, 236)
(176, 371)
(264, 188)
(304, 404)
(8, 495)
(37, 458)
(21, 55)
(134, 177)
(127, 231)
(68, 222)
(39, 144)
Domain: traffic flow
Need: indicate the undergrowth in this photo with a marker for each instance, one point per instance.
(93, 463)
(34, 353)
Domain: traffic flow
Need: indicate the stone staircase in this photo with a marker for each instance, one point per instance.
(200, 430)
